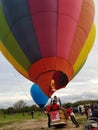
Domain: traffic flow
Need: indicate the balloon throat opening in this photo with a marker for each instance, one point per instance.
(60, 79)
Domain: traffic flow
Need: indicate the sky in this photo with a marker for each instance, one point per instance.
(14, 87)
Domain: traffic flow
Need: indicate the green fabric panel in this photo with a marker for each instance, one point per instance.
(11, 44)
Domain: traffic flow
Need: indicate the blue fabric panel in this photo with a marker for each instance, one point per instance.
(38, 95)
(18, 17)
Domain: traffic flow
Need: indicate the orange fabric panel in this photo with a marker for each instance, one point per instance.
(65, 67)
(77, 46)
(44, 81)
(87, 15)
(49, 63)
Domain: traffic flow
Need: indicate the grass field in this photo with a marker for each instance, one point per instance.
(19, 117)
(11, 120)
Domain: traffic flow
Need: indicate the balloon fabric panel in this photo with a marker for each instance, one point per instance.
(68, 16)
(85, 50)
(83, 28)
(21, 25)
(38, 96)
(47, 68)
(43, 37)
(11, 44)
(17, 66)
(44, 19)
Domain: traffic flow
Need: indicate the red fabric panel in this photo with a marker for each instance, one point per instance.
(69, 12)
(94, 128)
(49, 63)
(44, 20)
(42, 66)
(35, 70)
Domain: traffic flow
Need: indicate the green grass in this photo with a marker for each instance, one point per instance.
(81, 118)
(10, 119)
(19, 118)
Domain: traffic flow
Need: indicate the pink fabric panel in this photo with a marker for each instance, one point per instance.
(69, 12)
(44, 20)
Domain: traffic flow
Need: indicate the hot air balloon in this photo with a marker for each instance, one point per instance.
(47, 39)
(38, 96)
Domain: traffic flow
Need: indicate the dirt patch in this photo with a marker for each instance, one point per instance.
(39, 124)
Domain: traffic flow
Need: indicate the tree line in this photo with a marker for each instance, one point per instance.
(21, 107)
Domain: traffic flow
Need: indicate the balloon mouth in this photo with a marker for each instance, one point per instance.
(60, 79)
(46, 69)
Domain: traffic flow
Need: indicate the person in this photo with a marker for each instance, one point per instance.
(32, 114)
(52, 88)
(96, 105)
(54, 106)
(51, 107)
(95, 113)
(48, 109)
(92, 106)
(72, 115)
(87, 111)
(57, 100)
(80, 110)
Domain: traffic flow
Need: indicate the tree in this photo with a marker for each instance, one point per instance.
(19, 105)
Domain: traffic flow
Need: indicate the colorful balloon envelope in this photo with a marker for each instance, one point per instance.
(47, 39)
(38, 96)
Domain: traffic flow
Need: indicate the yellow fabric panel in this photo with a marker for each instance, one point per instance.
(0, 44)
(90, 42)
(85, 50)
(13, 61)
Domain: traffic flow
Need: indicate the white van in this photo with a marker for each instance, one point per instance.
(81, 109)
